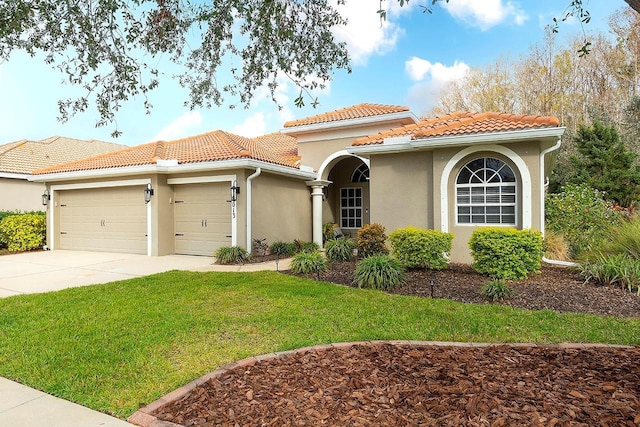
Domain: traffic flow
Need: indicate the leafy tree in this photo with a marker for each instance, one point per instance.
(112, 48)
(604, 162)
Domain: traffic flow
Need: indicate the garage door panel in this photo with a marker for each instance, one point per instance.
(103, 219)
(202, 218)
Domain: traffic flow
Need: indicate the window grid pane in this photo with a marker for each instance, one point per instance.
(351, 207)
(481, 194)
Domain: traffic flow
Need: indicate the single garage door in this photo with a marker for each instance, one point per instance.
(202, 218)
(112, 219)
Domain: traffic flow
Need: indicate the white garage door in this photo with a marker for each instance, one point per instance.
(202, 218)
(110, 219)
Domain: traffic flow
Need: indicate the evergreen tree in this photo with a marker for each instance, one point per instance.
(604, 162)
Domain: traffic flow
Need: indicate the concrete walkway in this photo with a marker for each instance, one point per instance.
(36, 272)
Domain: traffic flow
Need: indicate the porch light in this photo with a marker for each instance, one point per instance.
(148, 192)
(235, 190)
(45, 197)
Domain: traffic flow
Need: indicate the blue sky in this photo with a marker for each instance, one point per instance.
(401, 62)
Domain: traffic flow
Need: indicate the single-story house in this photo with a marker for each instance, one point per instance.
(19, 158)
(358, 165)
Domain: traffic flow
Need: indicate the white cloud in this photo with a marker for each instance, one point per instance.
(180, 127)
(365, 34)
(252, 126)
(485, 14)
(430, 78)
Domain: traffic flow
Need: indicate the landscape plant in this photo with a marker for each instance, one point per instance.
(582, 216)
(496, 290)
(506, 253)
(231, 255)
(282, 249)
(260, 247)
(372, 240)
(302, 246)
(307, 262)
(23, 232)
(380, 272)
(421, 248)
(340, 249)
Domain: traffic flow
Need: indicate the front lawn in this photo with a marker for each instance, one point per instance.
(113, 347)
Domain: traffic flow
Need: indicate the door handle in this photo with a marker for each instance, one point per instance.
(179, 234)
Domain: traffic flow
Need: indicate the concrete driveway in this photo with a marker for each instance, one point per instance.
(35, 272)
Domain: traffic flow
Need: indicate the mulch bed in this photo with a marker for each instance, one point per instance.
(383, 384)
(394, 385)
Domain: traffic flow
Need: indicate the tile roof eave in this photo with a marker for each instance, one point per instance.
(115, 172)
(460, 139)
(337, 124)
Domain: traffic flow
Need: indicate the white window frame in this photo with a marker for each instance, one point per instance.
(355, 208)
(484, 185)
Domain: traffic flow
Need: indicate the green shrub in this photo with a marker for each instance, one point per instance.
(623, 239)
(379, 272)
(23, 232)
(496, 290)
(582, 216)
(308, 262)
(328, 231)
(338, 250)
(260, 247)
(372, 240)
(612, 270)
(283, 249)
(506, 253)
(418, 247)
(231, 255)
(302, 246)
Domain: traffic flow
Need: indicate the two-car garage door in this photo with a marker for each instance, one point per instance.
(112, 219)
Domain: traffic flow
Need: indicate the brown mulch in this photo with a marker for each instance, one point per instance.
(399, 385)
(394, 385)
(555, 288)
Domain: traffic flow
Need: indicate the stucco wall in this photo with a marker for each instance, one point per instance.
(401, 190)
(281, 209)
(314, 153)
(21, 195)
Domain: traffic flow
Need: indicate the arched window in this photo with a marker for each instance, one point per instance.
(486, 193)
(361, 174)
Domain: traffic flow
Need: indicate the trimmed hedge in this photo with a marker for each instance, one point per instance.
(506, 253)
(418, 247)
(23, 232)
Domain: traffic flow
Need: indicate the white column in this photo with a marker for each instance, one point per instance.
(317, 197)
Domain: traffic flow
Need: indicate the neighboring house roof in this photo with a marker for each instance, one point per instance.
(218, 145)
(461, 123)
(25, 156)
(355, 112)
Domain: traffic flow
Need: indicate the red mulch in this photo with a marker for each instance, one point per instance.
(438, 386)
(432, 386)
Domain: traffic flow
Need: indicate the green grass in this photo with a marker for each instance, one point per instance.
(111, 347)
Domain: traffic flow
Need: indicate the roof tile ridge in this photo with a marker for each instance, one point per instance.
(232, 140)
(455, 122)
(160, 151)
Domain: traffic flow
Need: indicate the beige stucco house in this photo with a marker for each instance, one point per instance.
(19, 158)
(358, 165)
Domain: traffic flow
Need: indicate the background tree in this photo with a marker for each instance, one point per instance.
(603, 162)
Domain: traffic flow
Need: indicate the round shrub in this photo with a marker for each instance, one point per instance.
(308, 262)
(231, 255)
(506, 253)
(372, 240)
(496, 290)
(282, 249)
(339, 250)
(379, 272)
(418, 247)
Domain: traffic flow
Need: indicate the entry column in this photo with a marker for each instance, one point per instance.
(317, 197)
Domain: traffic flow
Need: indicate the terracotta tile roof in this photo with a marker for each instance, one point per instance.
(462, 123)
(212, 146)
(25, 156)
(355, 112)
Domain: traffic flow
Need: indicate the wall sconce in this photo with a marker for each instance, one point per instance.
(148, 192)
(45, 197)
(235, 190)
